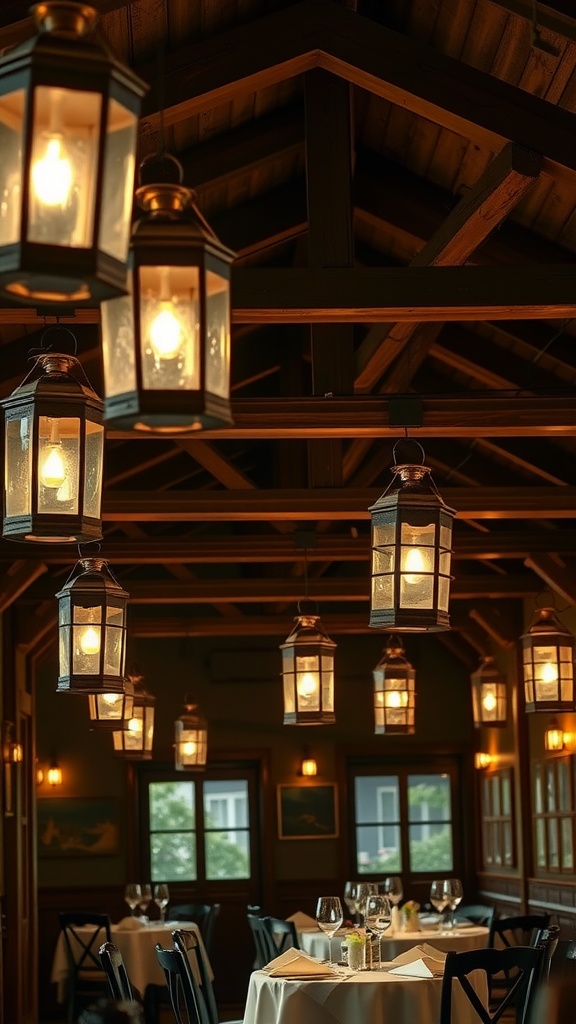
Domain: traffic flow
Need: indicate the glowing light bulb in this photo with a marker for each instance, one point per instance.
(307, 685)
(90, 641)
(189, 748)
(549, 672)
(52, 469)
(393, 699)
(111, 698)
(489, 701)
(166, 332)
(414, 563)
(134, 725)
(52, 175)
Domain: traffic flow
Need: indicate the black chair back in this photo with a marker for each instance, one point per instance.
(265, 946)
(113, 964)
(284, 934)
(83, 935)
(203, 914)
(522, 964)
(180, 988)
(187, 943)
(516, 931)
(479, 913)
(548, 938)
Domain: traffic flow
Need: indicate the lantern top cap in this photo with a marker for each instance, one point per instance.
(411, 483)
(307, 629)
(95, 576)
(65, 18)
(161, 191)
(545, 621)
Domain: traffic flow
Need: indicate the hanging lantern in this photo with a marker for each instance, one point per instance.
(308, 671)
(554, 736)
(548, 663)
(68, 130)
(110, 710)
(191, 739)
(134, 740)
(54, 452)
(489, 698)
(92, 630)
(166, 345)
(411, 553)
(394, 693)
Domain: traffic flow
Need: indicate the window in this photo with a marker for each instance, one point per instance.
(497, 819)
(199, 828)
(553, 805)
(403, 820)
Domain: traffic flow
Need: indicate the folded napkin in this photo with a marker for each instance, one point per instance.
(294, 963)
(302, 920)
(420, 962)
(128, 924)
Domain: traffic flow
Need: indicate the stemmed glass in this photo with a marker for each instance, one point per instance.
(378, 918)
(364, 890)
(351, 899)
(453, 892)
(132, 896)
(329, 915)
(439, 897)
(392, 888)
(161, 897)
(145, 900)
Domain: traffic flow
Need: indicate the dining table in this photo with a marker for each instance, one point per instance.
(137, 944)
(460, 939)
(350, 997)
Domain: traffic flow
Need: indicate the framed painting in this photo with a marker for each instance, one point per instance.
(69, 827)
(307, 812)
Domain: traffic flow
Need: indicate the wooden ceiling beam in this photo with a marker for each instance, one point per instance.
(254, 625)
(555, 576)
(212, 460)
(504, 183)
(328, 503)
(499, 622)
(16, 580)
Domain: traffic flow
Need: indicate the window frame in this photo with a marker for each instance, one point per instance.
(545, 816)
(494, 820)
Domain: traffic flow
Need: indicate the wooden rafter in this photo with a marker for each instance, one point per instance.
(554, 575)
(16, 580)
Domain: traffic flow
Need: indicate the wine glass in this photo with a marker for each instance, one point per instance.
(378, 918)
(392, 888)
(132, 896)
(351, 899)
(161, 897)
(145, 900)
(439, 897)
(329, 915)
(364, 890)
(453, 892)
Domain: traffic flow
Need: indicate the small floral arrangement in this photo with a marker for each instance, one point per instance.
(356, 943)
(409, 912)
(356, 936)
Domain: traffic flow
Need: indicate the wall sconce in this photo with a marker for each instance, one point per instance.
(166, 345)
(69, 116)
(134, 740)
(191, 738)
(308, 766)
(411, 553)
(482, 760)
(394, 691)
(54, 452)
(548, 663)
(92, 630)
(554, 737)
(54, 774)
(489, 698)
(39, 774)
(308, 671)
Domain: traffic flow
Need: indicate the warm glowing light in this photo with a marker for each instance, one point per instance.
(52, 468)
(309, 766)
(489, 701)
(307, 685)
(52, 174)
(189, 748)
(90, 641)
(112, 698)
(482, 760)
(549, 672)
(414, 563)
(54, 775)
(396, 698)
(166, 333)
(134, 725)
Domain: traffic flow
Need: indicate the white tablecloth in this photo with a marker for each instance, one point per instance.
(138, 952)
(316, 942)
(368, 996)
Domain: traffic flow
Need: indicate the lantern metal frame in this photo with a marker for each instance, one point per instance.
(59, 403)
(65, 62)
(394, 692)
(308, 651)
(489, 694)
(134, 742)
(190, 739)
(405, 599)
(92, 600)
(548, 664)
(111, 710)
(171, 236)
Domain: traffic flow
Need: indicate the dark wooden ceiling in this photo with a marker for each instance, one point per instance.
(398, 178)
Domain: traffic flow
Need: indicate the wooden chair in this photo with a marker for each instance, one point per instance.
(83, 934)
(116, 973)
(284, 934)
(178, 976)
(548, 938)
(516, 931)
(522, 964)
(203, 914)
(479, 913)
(187, 942)
(265, 946)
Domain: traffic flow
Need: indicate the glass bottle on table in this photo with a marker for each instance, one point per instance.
(329, 915)
(161, 898)
(132, 896)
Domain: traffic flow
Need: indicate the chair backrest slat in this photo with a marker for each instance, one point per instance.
(284, 934)
(178, 976)
(266, 949)
(517, 931)
(116, 973)
(187, 942)
(83, 936)
(521, 964)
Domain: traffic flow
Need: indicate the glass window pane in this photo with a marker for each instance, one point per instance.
(377, 798)
(540, 843)
(378, 849)
(227, 855)
(226, 803)
(429, 798)
(567, 844)
(172, 856)
(553, 852)
(430, 847)
(171, 805)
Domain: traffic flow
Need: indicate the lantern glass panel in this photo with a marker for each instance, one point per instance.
(327, 683)
(384, 534)
(63, 166)
(86, 641)
(445, 536)
(118, 343)
(63, 650)
(107, 707)
(58, 461)
(118, 181)
(93, 469)
(443, 593)
(114, 640)
(218, 335)
(382, 592)
(170, 328)
(383, 560)
(18, 466)
(11, 130)
(307, 682)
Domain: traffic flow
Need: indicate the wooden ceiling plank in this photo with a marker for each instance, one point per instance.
(559, 579)
(505, 455)
(329, 503)
(548, 18)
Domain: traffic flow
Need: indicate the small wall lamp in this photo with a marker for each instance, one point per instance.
(308, 766)
(54, 774)
(555, 738)
(482, 760)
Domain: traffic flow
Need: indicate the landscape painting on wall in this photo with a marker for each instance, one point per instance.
(68, 827)
(307, 812)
